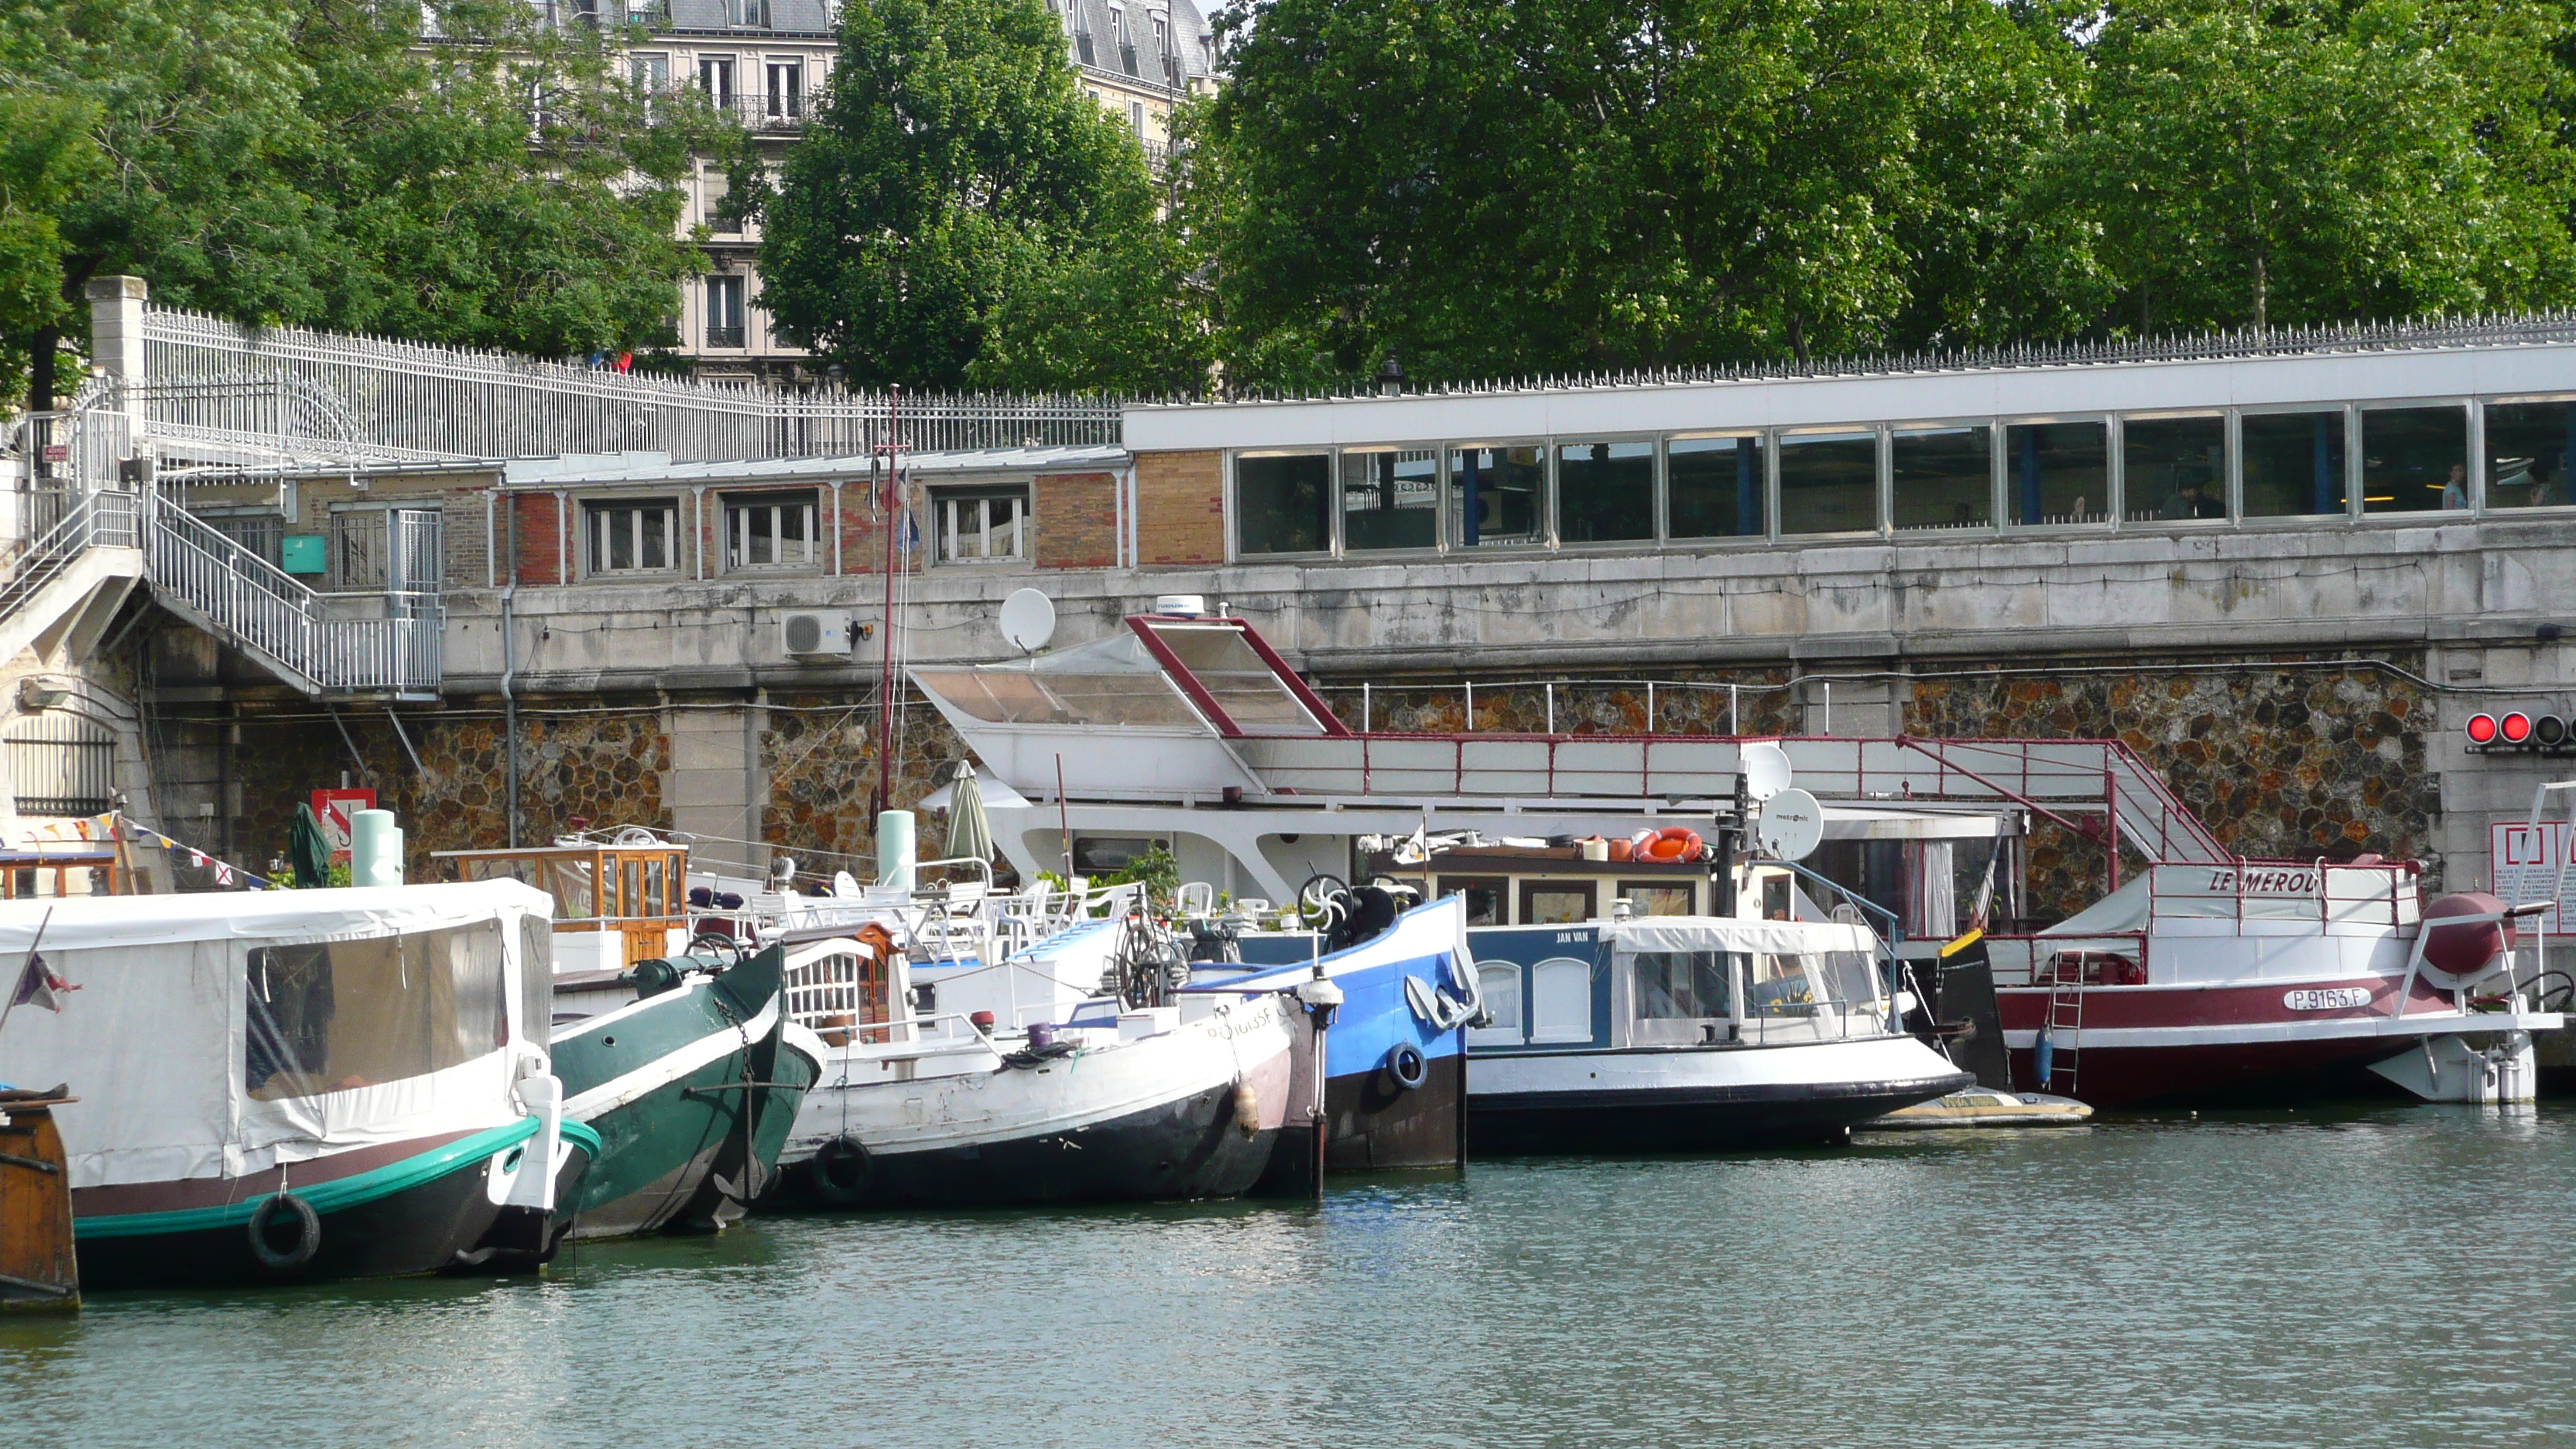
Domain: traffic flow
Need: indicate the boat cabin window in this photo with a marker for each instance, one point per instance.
(334, 1016)
(1659, 898)
(1484, 897)
(1780, 986)
(1500, 984)
(536, 974)
(1555, 902)
(1561, 1000)
(1680, 985)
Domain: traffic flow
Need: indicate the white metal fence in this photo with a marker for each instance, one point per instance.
(409, 399)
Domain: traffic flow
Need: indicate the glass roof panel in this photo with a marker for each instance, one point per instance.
(1018, 696)
(1237, 677)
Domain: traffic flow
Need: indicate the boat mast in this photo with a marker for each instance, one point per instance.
(884, 796)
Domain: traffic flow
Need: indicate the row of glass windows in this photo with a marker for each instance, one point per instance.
(2096, 472)
(782, 530)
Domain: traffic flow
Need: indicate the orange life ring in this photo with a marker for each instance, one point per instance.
(1677, 832)
(1664, 849)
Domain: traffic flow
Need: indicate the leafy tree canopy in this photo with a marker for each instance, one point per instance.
(317, 164)
(964, 216)
(2301, 161)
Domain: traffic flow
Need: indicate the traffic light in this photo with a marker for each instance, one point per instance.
(2517, 731)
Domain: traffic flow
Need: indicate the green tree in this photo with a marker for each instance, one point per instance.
(317, 164)
(1496, 186)
(45, 154)
(2300, 161)
(963, 216)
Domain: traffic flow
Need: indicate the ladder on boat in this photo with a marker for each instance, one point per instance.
(2065, 1025)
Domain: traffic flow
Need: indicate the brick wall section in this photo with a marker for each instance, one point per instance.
(1077, 520)
(540, 539)
(1180, 508)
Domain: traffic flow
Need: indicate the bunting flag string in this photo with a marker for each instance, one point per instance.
(225, 871)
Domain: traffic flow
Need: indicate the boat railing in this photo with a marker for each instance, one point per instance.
(837, 989)
(2033, 960)
(2319, 893)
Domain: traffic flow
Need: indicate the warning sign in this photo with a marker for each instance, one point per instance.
(333, 808)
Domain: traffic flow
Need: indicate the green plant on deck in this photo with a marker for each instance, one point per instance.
(1157, 871)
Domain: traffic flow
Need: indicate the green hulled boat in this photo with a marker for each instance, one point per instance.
(692, 1088)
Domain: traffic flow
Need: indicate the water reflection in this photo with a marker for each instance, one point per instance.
(2361, 1273)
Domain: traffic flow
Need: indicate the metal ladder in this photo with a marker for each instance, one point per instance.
(2065, 1025)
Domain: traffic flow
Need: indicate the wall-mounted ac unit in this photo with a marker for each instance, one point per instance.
(819, 634)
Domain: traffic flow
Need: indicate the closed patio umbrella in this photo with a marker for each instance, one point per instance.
(310, 853)
(970, 830)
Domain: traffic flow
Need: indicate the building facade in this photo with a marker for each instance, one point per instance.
(768, 63)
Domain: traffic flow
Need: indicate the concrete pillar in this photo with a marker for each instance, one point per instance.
(116, 343)
(717, 788)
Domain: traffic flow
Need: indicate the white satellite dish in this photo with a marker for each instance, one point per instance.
(1790, 826)
(1028, 620)
(1766, 770)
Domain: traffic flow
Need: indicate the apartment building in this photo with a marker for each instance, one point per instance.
(768, 62)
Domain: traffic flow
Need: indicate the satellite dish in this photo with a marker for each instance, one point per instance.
(1028, 620)
(1766, 770)
(1790, 825)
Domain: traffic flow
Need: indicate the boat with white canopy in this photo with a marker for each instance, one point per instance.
(301, 1084)
(1680, 1033)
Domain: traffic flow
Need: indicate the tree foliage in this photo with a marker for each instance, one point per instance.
(1500, 186)
(964, 216)
(315, 163)
(2313, 160)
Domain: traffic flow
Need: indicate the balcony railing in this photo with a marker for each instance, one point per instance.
(724, 336)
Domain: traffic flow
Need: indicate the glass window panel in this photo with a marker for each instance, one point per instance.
(2529, 446)
(1657, 898)
(1605, 492)
(1713, 488)
(1500, 985)
(2414, 460)
(1494, 496)
(1390, 500)
(1484, 899)
(1944, 477)
(1545, 903)
(1239, 679)
(340, 1015)
(1779, 986)
(1283, 505)
(1829, 483)
(2293, 464)
(2057, 473)
(2173, 469)
(1681, 984)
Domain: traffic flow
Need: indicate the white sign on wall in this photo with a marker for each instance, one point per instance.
(2526, 865)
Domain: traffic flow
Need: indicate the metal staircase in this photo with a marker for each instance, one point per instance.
(327, 645)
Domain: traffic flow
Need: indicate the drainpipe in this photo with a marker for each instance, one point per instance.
(509, 665)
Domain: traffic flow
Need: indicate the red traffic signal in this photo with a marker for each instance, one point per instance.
(2482, 729)
(2515, 727)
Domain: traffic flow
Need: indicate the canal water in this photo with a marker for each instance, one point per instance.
(2367, 1274)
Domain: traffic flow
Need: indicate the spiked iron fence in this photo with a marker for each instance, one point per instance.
(408, 399)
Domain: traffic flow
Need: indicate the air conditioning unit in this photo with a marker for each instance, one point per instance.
(819, 634)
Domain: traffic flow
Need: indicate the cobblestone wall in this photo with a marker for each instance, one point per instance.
(2294, 761)
(820, 756)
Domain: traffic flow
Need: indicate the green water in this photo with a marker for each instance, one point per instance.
(2371, 1275)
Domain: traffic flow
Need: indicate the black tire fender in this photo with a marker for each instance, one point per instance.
(1407, 1065)
(299, 1250)
(842, 1170)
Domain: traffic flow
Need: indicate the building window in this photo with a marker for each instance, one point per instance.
(786, 90)
(715, 77)
(2414, 460)
(1943, 477)
(1714, 488)
(651, 73)
(62, 764)
(1829, 483)
(636, 535)
(1605, 492)
(724, 311)
(2529, 446)
(1283, 504)
(1136, 117)
(1390, 500)
(2293, 464)
(769, 530)
(747, 14)
(1497, 496)
(262, 532)
(979, 524)
(2173, 469)
(2057, 473)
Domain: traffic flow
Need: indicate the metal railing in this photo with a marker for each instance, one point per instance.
(417, 400)
(326, 643)
(62, 524)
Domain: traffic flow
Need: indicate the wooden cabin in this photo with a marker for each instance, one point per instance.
(615, 905)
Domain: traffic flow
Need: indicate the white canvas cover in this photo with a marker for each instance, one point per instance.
(1727, 933)
(2124, 909)
(154, 1042)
